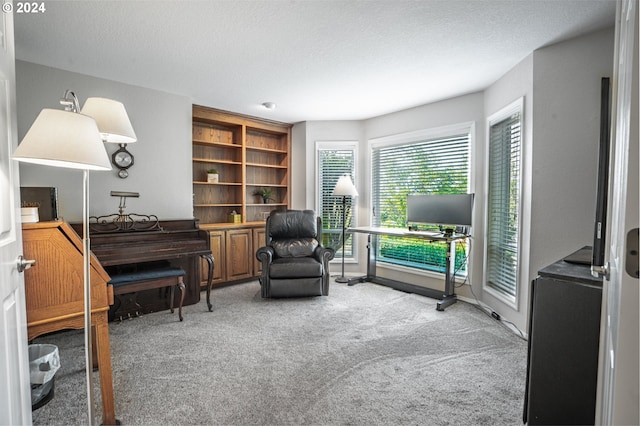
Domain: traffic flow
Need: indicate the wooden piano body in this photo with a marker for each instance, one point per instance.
(181, 243)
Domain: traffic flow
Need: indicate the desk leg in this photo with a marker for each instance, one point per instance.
(449, 297)
(104, 368)
(209, 258)
(372, 249)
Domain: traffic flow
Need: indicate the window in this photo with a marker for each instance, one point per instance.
(427, 162)
(335, 159)
(503, 202)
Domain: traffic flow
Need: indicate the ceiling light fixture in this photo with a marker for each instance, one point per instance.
(269, 105)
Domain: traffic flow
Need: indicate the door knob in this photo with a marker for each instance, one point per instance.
(24, 264)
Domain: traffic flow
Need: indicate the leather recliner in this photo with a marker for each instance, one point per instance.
(294, 262)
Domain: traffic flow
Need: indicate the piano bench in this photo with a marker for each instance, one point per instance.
(149, 279)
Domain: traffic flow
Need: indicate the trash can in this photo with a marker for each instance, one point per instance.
(44, 361)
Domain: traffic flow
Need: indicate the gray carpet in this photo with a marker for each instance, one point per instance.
(364, 355)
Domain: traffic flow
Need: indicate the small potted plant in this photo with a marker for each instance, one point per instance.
(265, 193)
(212, 176)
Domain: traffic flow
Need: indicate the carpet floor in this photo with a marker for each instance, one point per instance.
(364, 355)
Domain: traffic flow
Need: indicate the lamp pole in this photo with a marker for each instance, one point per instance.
(345, 188)
(342, 278)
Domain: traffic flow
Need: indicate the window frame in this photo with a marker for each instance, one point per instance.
(419, 136)
(516, 106)
(342, 145)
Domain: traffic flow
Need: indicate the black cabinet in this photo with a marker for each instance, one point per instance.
(564, 332)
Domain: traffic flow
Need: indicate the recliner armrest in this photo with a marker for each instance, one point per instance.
(324, 254)
(265, 254)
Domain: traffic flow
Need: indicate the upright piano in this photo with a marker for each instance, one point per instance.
(179, 243)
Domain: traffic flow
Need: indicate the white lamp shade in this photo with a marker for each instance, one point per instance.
(345, 187)
(63, 139)
(113, 121)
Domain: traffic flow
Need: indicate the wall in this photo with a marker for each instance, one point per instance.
(566, 132)
(561, 89)
(305, 139)
(453, 111)
(162, 122)
(517, 83)
(299, 166)
(560, 84)
(463, 109)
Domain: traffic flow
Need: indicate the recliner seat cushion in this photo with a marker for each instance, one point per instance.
(303, 247)
(295, 267)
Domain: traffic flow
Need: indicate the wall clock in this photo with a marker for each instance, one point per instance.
(122, 159)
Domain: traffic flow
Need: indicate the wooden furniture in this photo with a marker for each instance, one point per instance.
(180, 242)
(564, 337)
(445, 299)
(54, 290)
(233, 249)
(126, 286)
(249, 154)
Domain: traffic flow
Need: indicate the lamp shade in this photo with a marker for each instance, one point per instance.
(112, 119)
(345, 187)
(63, 139)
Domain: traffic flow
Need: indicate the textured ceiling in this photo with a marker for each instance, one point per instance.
(316, 59)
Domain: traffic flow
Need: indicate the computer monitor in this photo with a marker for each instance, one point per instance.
(446, 210)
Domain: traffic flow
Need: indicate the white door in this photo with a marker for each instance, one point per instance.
(15, 391)
(619, 373)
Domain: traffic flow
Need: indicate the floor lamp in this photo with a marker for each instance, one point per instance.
(344, 188)
(69, 139)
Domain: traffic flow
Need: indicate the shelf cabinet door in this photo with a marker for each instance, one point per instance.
(239, 261)
(218, 241)
(258, 241)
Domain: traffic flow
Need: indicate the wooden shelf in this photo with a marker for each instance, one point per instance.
(273, 166)
(218, 183)
(217, 205)
(272, 185)
(275, 151)
(221, 144)
(209, 161)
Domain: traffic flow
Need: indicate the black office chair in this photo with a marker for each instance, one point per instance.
(294, 263)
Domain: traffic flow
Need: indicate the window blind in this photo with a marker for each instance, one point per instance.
(333, 163)
(504, 205)
(436, 166)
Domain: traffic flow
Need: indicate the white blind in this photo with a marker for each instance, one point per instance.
(436, 166)
(333, 163)
(504, 205)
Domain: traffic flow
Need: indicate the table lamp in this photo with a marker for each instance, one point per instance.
(345, 188)
(74, 140)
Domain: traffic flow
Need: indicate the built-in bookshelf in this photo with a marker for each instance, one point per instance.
(249, 154)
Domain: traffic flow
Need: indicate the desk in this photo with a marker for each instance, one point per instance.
(54, 290)
(445, 299)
